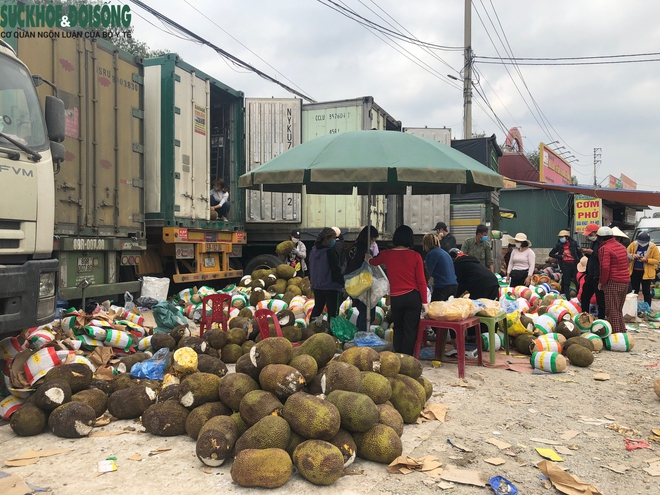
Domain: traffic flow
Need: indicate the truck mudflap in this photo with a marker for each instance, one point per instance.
(20, 304)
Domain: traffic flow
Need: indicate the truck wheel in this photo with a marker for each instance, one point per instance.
(262, 261)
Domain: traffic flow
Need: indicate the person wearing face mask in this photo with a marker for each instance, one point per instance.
(325, 274)
(354, 260)
(567, 253)
(645, 259)
(590, 286)
(479, 247)
(296, 257)
(447, 240)
(614, 277)
(522, 262)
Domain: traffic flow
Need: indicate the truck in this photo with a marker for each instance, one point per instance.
(30, 153)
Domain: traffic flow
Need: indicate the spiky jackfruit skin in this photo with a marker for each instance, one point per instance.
(268, 432)
(312, 417)
(274, 468)
(319, 462)
(379, 444)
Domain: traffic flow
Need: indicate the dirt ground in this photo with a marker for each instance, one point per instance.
(515, 408)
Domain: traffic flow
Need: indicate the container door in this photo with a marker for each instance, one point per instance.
(272, 127)
(192, 144)
(464, 220)
(422, 212)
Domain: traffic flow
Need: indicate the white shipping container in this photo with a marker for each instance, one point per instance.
(441, 135)
(273, 126)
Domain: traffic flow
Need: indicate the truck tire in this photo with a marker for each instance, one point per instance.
(261, 261)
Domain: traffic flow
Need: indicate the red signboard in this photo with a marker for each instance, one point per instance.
(553, 168)
(628, 183)
(183, 234)
(611, 181)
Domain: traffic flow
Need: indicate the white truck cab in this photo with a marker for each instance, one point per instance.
(28, 150)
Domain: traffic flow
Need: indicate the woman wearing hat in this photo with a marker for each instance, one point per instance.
(568, 254)
(581, 276)
(522, 262)
(643, 265)
(614, 277)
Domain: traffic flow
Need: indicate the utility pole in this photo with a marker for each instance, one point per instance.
(597, 161)
(467, 76)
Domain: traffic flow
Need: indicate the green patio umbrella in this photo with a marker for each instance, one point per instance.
(376, 162)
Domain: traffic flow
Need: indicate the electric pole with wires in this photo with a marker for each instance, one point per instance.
(597, 161)
(467, 76)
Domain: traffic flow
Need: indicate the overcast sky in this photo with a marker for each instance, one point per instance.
(330, 57)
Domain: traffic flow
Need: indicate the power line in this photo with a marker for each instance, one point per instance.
(239, 42)
(592, 57)
(565, 64)
(219, 50)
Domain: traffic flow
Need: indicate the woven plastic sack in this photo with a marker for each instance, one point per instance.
(343, 329)
(155, 287)
(359, 281)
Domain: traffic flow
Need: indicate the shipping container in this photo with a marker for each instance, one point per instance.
(99, 190)
(422, 212)
(484, 150)
(349, 213)
(194, 134)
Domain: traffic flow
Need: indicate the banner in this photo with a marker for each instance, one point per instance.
(553, 168)
(587, 210)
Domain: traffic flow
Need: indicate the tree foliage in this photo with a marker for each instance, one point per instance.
(534, 157)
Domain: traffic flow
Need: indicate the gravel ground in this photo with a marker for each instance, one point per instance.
(512, 407)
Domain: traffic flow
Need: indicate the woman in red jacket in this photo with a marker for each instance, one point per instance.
(614, 277)
(408, 292)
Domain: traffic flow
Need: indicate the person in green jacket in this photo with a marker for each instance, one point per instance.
(479, 247)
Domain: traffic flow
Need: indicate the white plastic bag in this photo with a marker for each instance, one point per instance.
(630, 305)
(155, 287)
(380, 287)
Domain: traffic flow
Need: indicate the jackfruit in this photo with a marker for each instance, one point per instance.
(311, 416)
(306, 365)
(279, 287)
(166, 419)
(285, 272)
(199, 388)
(343, 440)
(201, 414)
(258, 404)
(131, 402)
(274, 468)
(340, 376)
(215, 440)
(376, 386)
(322, 326)
(410, 366)
(77, 375)
(320, 346)
(319, 462)
(29, 420)
(273, 350)
(363, 358)
(179, 332)
(379, 444)
(244, 365)
(586, 343)
(292, 333)
(171, 392)
(295, 281)
(391, 417)
(102, 385)
(231, 353)
(257, 283)
(523, 343)
(568, 329)
(247, 345)
(213, 365)
(127, 362)
(269, 432)
(580, 356)
(240, 424)
(195, 343)
(161, 340)
(288, 295)
(258, 273)
(236, 335)
(295, 439)
(257, 295)
(294, 290)
(390, 364)
(233, 387)
(93, 397)
(72, 420)
(358, 412)
(52, 394)
(281, 379)
(428, 386)
(408, 397)
(239, 322)
(184, 360)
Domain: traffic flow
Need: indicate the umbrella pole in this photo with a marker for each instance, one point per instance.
(368, 227)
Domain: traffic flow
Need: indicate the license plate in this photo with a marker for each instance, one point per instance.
(85, 264)
(209, 262)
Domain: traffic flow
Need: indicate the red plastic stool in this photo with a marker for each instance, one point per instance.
(460, 328)
(261, 317)
(218, 304)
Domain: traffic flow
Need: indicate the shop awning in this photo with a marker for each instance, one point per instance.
(633, 198)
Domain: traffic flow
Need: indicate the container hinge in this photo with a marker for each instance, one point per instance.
(177, 175)
(177, 110)
(177, 208)
(176, 77)
(137, 113)
(138, 217)
(138, 148)
(138, 183)
(177, 142)
(138, 79)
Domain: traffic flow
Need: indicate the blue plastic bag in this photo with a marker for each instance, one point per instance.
(368, 339)
(154, 367)
(643, 307)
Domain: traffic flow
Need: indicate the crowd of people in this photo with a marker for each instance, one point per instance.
(600, 275)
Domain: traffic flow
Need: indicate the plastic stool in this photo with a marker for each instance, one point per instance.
(491, 322)
(460, 328)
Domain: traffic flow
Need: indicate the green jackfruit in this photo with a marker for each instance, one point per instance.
(256, 296)
(244, 365)
(319, 462)
(292, 333)
(580, 356)
(343, 440)
(406, 398)
(281, 379)
(295, 439)
(568, 329)
(269, 432)
(240, 424)
(236, 335)
(311, 416)
(72, 420)
(273, 350)
(29, 420)
(233, 387)
(376, 386)
(390, 364)
(267, 468)
(285, 272)
(171, 392)
(306, 365)
(199, 388)
(586, 343)
(363, 358)
(428, 386)
(131, 402)
(294, 290)
(127, 362)
(286, 318)
(279, 287)
(340, 376)
(257, 404)
(379, 444)
(161, 340)
(358, 412)
(195, 343)
(215, 440)
(410, 366)
(165, 419)
(390, 416)
(52, 394)
(213, 365)
(239, 322)
(296, 281)
(231, 353)
(102, 385)
(201, 414)
(77, 375)
(93, 397)
(321, 347)
(523, 343)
